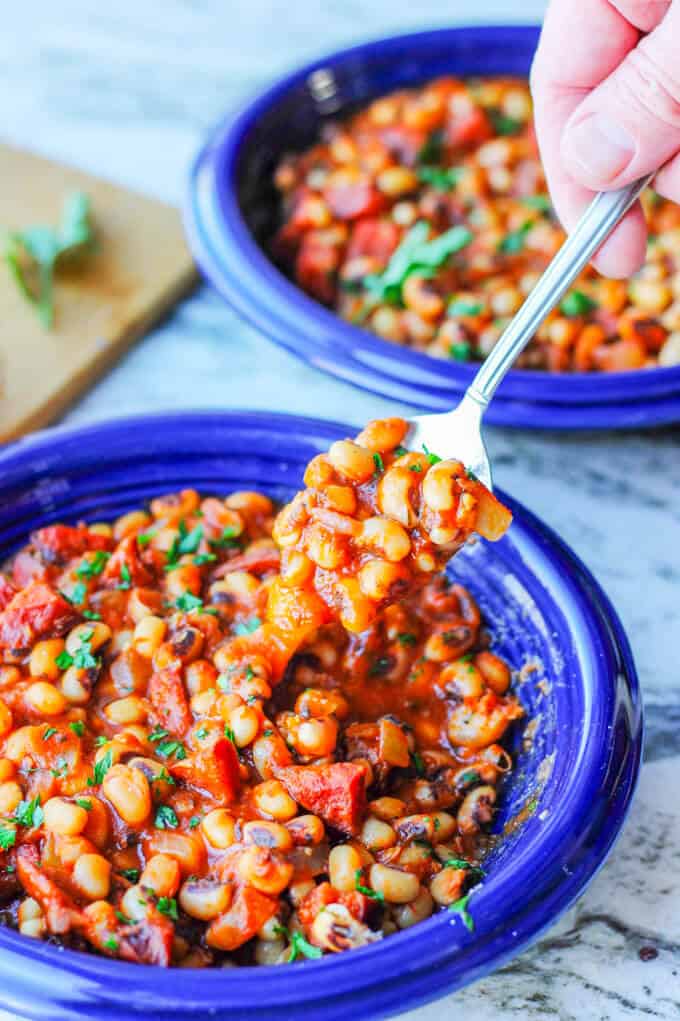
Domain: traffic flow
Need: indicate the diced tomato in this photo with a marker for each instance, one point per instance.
(61, 914)
(125, 566)
(59, 543)
(324, 894)
(315, 267)
(257, 561)
(168, 697)
(351, 194)
(471, 126)
(27, 567)
(375, 238)
(7, 591)
(214, 769)
(146, 941)
(249, 910)
(335, 793)
(35, 611)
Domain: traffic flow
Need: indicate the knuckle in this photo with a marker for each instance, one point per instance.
(646, 85)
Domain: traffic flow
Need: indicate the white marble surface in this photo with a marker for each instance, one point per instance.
(127, 90)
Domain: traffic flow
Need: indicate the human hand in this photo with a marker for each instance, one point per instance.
(606, 88)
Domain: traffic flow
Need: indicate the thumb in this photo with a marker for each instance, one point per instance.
(630, 124)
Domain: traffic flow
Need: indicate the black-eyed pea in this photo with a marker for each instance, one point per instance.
(383, 434)
(101, 528)
(344, 862)
(339, 498)
(494, 670)
(296, 567)
(472, 727)
(43, 660)
(270, 753)
(394, 495)
(444, 825)
(323, 548)
(249, 503)
(461, 679)
(11, 796)
(134, 903)
(297, 891)
(415, 827)
(477, 809)
(128, 791)
(200, 676)
(396, 181)
(355, 609)
(187, 849)
(306, 830)
(148, 635)
(128, 710)
(273, 800)
(162, 875)
(387, 808)
(204, 899)
(185, 578)
(244, 722)
(175, 506)
(270, 951)
(387, 537)
(263, 833)
(6, 719)
(65, 817)
(219, 828)
(31, 919)
(264, 869)
(351, 460)
(319, 472)
(271, 930)
(91, 634)
(143, 602)
(377, 578)
(421, 297)
(319, 702)
(205, 702)
(131, 523)
(240, 584)
(396, 886)
(415, 857)
(406, 915)
(316, 737)
(447, 886)
(377, 834)
(439, 488)
(92, 876)
(44, 698)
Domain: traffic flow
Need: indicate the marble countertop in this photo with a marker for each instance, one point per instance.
(127, 90)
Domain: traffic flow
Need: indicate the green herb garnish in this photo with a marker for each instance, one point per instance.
(418, 764)
(111, 944)
(228, 539)
(32, 255)
(432, 458)
(576, 303)
(502, 124)
(29, 813)
(47, 734)
(464, 307)
(441, 178)
(166, 818)
(188, 602)
(125, 582)
(460, 907)
(84, 803)
(460, 351)
(541, 203)
(406, 638)
(246, 627)
(94, 566)
(299, 946)
(101, 768)
(379, 465)
(8, 837)
(366, 890)
(168, 906)
(131, 874)
(514, 241)
(415, 254)
(168, 748)
(91, 615)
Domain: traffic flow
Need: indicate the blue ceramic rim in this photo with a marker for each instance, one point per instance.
(233, 261)
(418, 964)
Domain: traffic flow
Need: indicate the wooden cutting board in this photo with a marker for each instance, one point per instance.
(139, 268)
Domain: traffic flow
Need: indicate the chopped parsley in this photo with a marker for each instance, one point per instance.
(123, 918)
(63, 660)
(380, 666)
(246, 627)
(168, 906)
(441, 178)
(229, 734)
(418, 764)
(502, 124)
(400, 451)
(163, 777)
(541, 203)
(366, 890)
(268, 733)
(78, 727)
(168, 748)
(78, 593)
(406, 638)
(188, 602)
(166, 818)
(83, 657)
(204, 558)
(299, 946)
(202, 733)
(158, 733)
(514, 241)
(84, 803)
(465, 307)
(194, 822)
(433, 149)
(8, 837)
(460, 351)
(61, 769)
(379, 464)
(94, 566)
(110, 944)
(47, 734)
(432, 458)
(29, 813)
(144, 538)
(228, 539)
(460, 907)
(576, 303)
(469, 776)
(415, 254)
(131, 874)
(415, 468)
(101, 768)
(91, 615)
(100, 740)
(125, 582)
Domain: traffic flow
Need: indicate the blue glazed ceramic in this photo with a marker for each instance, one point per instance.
(230, 208)
(572, 786)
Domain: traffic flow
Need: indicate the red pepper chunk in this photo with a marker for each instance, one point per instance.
(214, 769)
(336, 793)
(249, 911)
(316, 266)
(324, 894)
(59, 543)
(375, 238)
(35, 611)
(169, 699)
(125, 566)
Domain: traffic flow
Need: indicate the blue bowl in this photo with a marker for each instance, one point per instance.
(231, 208)
(572, 786)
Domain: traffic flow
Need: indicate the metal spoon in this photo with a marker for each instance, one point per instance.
(458, 433)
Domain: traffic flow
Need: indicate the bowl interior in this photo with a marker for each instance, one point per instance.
(232, 209)
(576, 756)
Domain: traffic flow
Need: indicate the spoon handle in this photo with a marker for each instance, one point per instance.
(599, 219)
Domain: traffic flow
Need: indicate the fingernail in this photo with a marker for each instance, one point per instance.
(600, 146)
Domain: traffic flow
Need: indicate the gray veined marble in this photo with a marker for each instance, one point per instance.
(126, 90)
